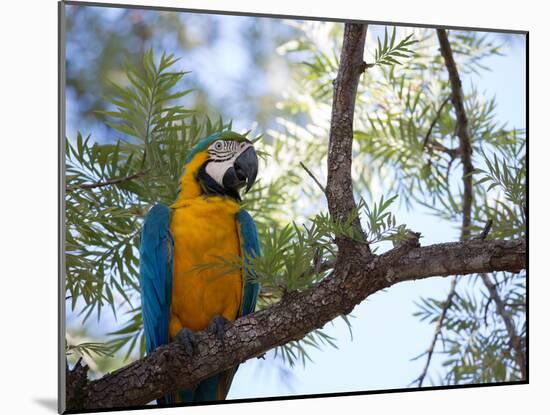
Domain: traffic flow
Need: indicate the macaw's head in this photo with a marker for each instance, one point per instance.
(221, 164)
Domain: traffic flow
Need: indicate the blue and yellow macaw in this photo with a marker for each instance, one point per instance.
(206, 222)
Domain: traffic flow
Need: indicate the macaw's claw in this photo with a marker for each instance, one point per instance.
(186, 337)
(217, 326)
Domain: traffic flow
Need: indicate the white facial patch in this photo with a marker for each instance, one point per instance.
(222, 155)
(217, 169)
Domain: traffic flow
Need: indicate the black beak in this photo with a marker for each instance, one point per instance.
(246, 167)
(244, 171)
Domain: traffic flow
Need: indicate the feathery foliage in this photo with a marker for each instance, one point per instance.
(88, 349)
(388, 53)
(110, 187)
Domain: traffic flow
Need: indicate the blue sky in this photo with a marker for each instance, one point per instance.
(385, 334)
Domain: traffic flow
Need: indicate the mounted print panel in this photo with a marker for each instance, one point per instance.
(276, 207)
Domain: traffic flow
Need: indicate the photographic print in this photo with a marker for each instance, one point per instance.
(266, 207)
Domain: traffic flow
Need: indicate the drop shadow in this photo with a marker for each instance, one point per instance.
(48, 403)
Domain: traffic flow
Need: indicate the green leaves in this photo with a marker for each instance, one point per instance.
(501, 185)
(475, 339)
(381, 224)
(110, 188)
(296, 257)
(511, 178)
(297, 351)
(90, 349)
(321, 70)
(144, 109)
(289, 256)
(389, 52)
(130, 336)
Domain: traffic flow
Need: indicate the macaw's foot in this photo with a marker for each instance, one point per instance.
(217, 326)
(186, 337)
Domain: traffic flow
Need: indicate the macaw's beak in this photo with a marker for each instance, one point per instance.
(243, 172)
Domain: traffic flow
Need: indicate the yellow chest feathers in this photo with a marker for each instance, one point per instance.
(204, 229)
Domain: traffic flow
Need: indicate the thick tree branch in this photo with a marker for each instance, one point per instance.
(110, 182)
(339, 189)
(354, 278)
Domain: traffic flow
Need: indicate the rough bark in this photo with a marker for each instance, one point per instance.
(353, 279)
(77, 382)
(339, 188)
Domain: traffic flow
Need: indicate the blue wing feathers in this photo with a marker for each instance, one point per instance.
(251, 247)
(156, 272)
(156, 269)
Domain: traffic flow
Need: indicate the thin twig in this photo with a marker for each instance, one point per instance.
(434, 121)
(438, 328)
(486, 310)
(486, 229)
(437, 146)
(515, 340)
(314, 178)
(114, 181)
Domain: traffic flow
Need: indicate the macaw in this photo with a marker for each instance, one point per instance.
(205, 222)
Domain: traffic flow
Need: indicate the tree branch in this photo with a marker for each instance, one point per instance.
(354, 278)
(435, 145)
(317, 182)
(339, 188)
(465, 151)
(114, 181)
(486, 229)
(462, 132)
(438, 327)
(434, 121)
(468, 168)
(515, 340)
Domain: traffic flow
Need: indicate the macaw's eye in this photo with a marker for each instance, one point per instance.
(218, 145)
